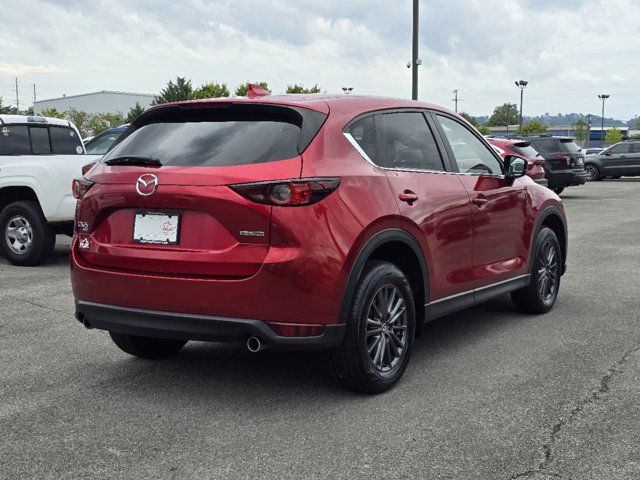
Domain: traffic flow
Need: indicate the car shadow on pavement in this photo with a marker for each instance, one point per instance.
(210, 370)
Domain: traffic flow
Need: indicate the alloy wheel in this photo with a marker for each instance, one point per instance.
(19, 234)
(386, 329)
(548, 272)
(592, 172)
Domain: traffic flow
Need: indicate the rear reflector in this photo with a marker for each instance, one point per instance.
(288, 193)
(296, 330)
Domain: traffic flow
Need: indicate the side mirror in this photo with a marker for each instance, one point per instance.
(606, 154)
(515, 167)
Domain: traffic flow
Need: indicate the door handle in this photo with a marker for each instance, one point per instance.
(623, 156)
(480, 201)
(408, 196)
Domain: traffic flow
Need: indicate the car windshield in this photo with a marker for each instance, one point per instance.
(202, 137)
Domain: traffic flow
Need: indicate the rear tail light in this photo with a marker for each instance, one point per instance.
(288, 193)
(87, 167)
(566, 159)
(295, 330)
(79, 187)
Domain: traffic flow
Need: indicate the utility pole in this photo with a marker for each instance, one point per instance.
(17, 97)
(34, 97)
(588, 130)
(455, 100)
(602, 97)
(414, 50)
(521, 84)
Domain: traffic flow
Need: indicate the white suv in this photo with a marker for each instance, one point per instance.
(39, 158)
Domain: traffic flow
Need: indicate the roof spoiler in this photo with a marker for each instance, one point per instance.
(255, 91)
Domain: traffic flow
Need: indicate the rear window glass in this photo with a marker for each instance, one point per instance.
(205, 137)
(546, 145)
(65, 141)
(570, 146)
(14, 140)
(527, 151)
(40, 140)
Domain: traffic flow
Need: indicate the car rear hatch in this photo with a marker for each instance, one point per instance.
(161, 203)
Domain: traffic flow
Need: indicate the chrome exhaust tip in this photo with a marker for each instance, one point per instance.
(254, 344)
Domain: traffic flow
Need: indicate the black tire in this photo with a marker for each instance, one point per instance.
(558, 190)
(381, 283)
(146, 347)
(535, 298)
(27, 239)
(593, 172)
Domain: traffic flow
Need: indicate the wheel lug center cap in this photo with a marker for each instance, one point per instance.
(385, 328)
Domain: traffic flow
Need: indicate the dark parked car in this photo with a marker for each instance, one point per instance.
(100, 144)
(564, 162)
(335, 222)
(620, 159)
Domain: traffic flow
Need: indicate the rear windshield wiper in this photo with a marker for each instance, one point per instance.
(136, 160)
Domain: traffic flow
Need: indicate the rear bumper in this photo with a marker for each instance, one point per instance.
(566, 178)
(152, 323)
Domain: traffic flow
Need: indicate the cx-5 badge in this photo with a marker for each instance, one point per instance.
(147, 184)
(251, 233)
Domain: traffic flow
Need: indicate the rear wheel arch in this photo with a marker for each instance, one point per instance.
(403, 250)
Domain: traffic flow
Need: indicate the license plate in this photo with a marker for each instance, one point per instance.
(157, 228)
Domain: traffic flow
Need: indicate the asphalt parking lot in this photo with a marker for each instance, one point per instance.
(489, 393)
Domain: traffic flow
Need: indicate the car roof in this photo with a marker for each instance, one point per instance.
(321, 102)
(34, 119)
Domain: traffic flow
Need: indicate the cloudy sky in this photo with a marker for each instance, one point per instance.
(569, 50)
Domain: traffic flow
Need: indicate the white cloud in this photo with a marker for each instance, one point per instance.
(570, 51)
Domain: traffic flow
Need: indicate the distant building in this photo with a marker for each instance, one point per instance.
(595, 134)
(105, 101)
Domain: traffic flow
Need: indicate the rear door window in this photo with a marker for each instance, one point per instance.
(14, 140)
(40, 144)
(65, 141)
(408, 142)
(214, 137)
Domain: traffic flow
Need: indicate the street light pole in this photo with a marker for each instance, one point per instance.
(602, 97)
(521, 84)
(414, 50)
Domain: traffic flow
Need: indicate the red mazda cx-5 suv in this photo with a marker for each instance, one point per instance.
(331, 222)
(521, 148)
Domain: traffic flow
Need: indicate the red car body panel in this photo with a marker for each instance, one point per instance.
(299, 270)
(535, 164)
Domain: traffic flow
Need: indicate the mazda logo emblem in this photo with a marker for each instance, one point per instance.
(147, 184)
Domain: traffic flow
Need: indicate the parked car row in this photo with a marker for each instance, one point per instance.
(621, 159)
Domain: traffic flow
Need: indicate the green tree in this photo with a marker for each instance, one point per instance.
(211, 90)
(241, 90)
(580, 131)
(471, 119)
(613, 135)
(534, 128)
(175, 92)
(100, 122)
(4, 109)
(483, 129)
(295, 88)
(506, 114)
(134, 112)
(637, 124)
(80, 120)
(53, 113)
